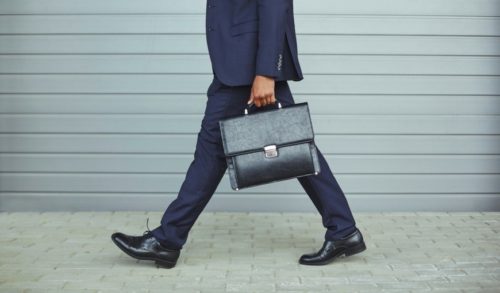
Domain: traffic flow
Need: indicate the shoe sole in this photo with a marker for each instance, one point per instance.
(351, 251)
(160, 263)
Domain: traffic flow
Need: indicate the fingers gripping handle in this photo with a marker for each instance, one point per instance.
(251, 104)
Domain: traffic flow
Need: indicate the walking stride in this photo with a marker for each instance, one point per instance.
(253, 52)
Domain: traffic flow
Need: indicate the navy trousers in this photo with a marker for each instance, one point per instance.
(209, 165)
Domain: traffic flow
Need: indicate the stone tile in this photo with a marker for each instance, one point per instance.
(252, 252)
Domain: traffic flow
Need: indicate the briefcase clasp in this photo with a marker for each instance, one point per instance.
(271, 151)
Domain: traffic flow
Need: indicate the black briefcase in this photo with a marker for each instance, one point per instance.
(269, 145)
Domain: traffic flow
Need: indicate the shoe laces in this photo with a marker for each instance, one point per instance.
(148, 231)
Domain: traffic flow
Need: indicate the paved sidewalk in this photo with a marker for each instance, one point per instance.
(251, 252)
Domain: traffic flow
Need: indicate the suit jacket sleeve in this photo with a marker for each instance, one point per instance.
(272, 25)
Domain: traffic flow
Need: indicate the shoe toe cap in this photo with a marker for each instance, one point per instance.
(118, 237)
(307, 257)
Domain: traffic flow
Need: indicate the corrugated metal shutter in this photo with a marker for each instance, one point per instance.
(101, 101)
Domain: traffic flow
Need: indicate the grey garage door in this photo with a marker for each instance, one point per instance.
(101, 101)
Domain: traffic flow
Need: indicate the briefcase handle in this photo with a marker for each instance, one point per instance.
(252, 103)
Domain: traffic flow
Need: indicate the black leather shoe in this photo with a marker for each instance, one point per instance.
(331, 249)
(146, 247)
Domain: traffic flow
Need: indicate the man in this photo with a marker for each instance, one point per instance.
(253, 51)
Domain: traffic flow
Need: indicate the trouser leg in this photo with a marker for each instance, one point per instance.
(323, 189)
(207, 168)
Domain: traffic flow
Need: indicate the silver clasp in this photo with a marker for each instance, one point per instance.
(270, 151)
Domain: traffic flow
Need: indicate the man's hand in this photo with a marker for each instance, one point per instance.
(262, 92)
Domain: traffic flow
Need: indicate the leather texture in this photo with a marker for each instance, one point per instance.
(332, 249)
(288, 128)
(146, 247)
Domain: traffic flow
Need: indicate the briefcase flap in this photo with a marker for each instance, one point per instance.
(288, 125)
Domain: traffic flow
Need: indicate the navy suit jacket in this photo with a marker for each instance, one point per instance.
(252, 37)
